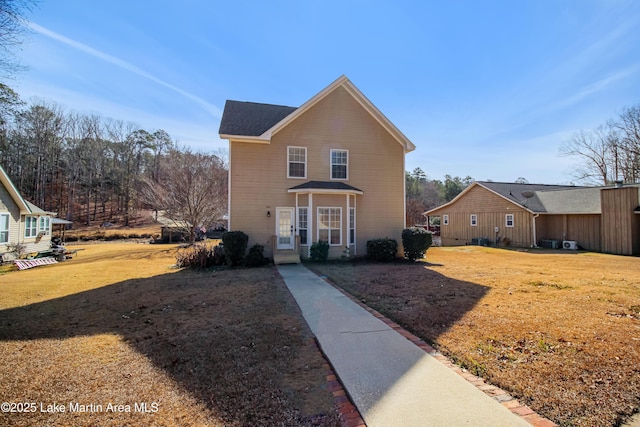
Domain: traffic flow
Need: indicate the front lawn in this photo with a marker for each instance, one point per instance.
(116, 336)
(558, 330)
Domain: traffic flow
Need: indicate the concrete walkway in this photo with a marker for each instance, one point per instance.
(391, 381)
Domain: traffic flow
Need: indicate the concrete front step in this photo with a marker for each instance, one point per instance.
(286, 257)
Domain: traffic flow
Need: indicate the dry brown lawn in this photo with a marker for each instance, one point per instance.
(118, 325)
(560, 331)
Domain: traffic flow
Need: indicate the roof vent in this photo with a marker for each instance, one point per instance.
(527, 194)
(619, 183)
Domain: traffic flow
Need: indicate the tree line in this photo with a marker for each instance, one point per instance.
(89, 168)
(609, 152)
(423, 193)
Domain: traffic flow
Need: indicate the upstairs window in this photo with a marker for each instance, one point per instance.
(474, 220)
(445, 219)
(297, 162)
(339, 164)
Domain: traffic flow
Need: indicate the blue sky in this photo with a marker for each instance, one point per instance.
(488, 89)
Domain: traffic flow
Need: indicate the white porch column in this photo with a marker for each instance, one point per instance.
(296, 232)
(310, 225)
(355, 225)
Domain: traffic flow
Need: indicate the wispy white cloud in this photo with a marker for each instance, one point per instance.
(210, 108)
(594, 88)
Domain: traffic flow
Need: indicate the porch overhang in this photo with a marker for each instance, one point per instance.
(325, 187)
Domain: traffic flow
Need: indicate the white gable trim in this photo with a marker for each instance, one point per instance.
(344, 82)
(466, 190)
(13, 192)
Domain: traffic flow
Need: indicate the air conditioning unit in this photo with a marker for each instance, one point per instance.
(569, 244)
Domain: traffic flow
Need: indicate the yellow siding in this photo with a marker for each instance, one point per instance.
(8, 206)
(259, 180)
(16, 230)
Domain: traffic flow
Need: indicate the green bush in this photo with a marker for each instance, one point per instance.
(319, 251)
(382, 249)
(255, 257)
(416, 241)
(235, 246)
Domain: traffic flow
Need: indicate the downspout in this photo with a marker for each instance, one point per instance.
(535, 240)
(229, 191)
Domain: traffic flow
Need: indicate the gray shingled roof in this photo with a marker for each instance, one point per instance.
(250, 118)
(574, 201)
(518, 193)
(325, 185)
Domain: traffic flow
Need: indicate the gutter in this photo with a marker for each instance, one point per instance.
(535, 240)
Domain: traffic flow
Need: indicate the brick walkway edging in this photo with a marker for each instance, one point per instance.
(348, 413)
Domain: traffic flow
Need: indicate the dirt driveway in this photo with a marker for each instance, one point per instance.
(559, 330)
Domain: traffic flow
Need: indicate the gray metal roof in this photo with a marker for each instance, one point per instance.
(250, 118)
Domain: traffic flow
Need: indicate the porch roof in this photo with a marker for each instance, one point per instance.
(334, 187)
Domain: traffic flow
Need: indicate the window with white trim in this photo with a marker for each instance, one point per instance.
(474, 220)
(303, 224)
(352, 226)
(297, 162)
(330, 225)
(445, 219)
(31, 226)
(44, 224)
(4, 228)
(339, 164)
(508, 218)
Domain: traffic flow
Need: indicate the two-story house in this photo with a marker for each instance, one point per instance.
(332, 169)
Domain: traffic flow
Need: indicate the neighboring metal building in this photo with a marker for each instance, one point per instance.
(601, 219)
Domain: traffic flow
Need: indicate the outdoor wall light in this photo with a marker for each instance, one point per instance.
(268, 214)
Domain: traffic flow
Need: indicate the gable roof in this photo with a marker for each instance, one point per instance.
(14, 193)
(539, 198)
(528, 195)
(251, 118)
(270, 119)
(25, 207)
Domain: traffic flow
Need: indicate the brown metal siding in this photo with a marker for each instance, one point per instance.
(491, 210)
(620, 229)
(584, 229)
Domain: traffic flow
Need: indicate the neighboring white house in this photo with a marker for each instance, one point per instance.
(20, 221)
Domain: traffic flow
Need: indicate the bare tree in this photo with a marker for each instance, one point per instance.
(627, 127)
(193, 191)
(12, 31)
(597, 150)
(39, 134)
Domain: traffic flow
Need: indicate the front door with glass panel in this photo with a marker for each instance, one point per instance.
(284, 228)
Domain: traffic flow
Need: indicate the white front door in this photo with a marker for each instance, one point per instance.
(284, 228)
